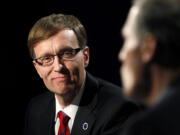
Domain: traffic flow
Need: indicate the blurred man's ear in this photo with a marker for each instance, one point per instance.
(148, 48)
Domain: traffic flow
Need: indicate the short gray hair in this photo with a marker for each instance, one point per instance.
(161, 18)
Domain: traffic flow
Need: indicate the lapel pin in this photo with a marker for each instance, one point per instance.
(85, 126)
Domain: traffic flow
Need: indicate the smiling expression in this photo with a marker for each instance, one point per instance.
(62, 77)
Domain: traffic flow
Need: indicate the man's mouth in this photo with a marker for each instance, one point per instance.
(60, 78)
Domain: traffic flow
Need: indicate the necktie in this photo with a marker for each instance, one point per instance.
(64, 128)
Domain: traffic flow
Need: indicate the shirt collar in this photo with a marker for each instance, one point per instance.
(71, 109)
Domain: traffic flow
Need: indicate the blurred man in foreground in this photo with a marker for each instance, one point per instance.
(151, 67)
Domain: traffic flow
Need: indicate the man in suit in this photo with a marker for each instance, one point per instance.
(77, 103)
(150, 65)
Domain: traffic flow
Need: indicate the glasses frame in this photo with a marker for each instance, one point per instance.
(60, 54)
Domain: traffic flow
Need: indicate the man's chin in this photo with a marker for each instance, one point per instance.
(63, 89)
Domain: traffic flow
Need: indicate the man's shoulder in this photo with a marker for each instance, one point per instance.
(109, 85)
(107, 93)
(43, 97)
(109, 90)
(110, 96)
(104, 86)
(41, 101)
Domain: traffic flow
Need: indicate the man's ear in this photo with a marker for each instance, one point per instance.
(36, 66)
(86, 56)
(148, 48)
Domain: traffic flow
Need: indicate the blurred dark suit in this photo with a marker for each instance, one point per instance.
(163, 118)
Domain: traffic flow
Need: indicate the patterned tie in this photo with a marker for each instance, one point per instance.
(64, 128)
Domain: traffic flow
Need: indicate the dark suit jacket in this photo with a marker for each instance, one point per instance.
(163, 118)
(102, 106)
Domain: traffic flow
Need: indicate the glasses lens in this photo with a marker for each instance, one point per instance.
(65, 55)
(47, 60)
(69, 54)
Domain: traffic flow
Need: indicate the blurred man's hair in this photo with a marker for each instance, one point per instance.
(161, 18)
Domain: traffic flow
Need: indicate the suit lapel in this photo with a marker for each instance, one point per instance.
(83, 122)
(86, 115)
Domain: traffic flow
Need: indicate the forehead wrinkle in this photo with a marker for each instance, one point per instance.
(53, 45)
(56, 44)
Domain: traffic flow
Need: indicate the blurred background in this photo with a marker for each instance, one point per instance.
(103, 20)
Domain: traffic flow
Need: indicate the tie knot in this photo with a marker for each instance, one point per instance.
(64, 118)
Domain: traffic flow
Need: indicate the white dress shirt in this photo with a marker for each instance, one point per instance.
(70, 110)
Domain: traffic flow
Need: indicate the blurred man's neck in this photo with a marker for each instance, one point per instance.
(160, 80)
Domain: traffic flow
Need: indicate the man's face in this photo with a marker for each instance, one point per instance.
(132, 70)
(63, 76)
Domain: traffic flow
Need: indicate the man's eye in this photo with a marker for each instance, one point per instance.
(47, 58)
(68, 53)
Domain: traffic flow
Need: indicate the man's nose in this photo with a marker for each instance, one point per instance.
(58, 64)
(121, 55)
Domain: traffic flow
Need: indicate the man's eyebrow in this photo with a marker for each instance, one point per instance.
(65, 49)
(48, 53)
(44, 55)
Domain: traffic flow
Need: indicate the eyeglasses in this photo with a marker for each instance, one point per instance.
(67, 54)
